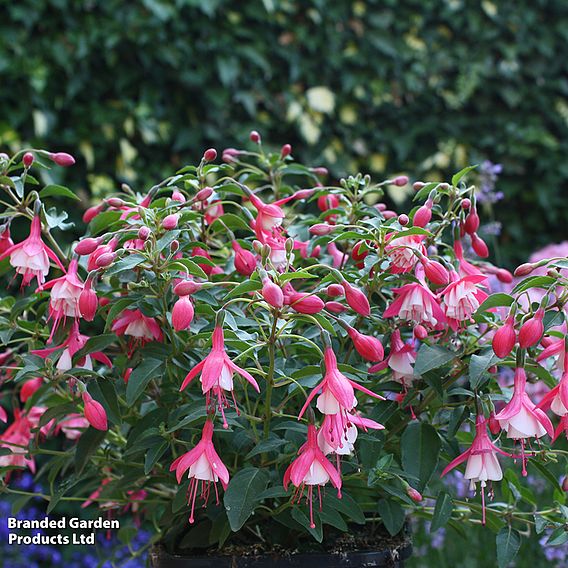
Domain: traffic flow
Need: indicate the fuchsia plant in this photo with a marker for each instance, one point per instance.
(230, 324)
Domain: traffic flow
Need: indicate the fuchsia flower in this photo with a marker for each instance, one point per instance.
(337, 392)
(400, 360)
(205, 465)
(302, 302)
(402, 252)
(557, 398)
(88, 301)
(338, 257)
(245, 261)
(334, 438)
(217, 371)
(531, 331)
(417, 304)
(94, 412)
(369, 347)
(6, 241)
(138, 326)
(182, 313)
(271, 292)
(521, 419)
(482, 464)
(31, 257)
(73, 426)
(100, 251)
(29, 388)
(505, 338)
(465, 267)
(74, 342)
(462, 298)
(16, 439)
(356, 299)
(311, 468)
(65, 293)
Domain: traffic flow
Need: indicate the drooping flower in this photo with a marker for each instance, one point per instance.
(217, 371)
(356, 299)
(402, 252)
(505, 338)
(521, 419)
(400, 360)
(94, 412)
(338, 258)
(335, 438)
(462, 298)
(271, 292)
(204, 465)
(245, 260)
(369, 347)
(417, 304)
(29, 388)
(139, 327)
(182, 313)
(31, 257)
(482, 464)
(313, 469)
(557, 398)
(74, 342)
(16, 439)
(73, 426)
(302, 302)
(531, 331)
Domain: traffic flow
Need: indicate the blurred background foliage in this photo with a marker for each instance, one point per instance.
(135, 89)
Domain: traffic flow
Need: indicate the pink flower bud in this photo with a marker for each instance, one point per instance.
(420, 332)
(87, 246)
(356, 299)
(245, 261)
(321, 229)
(414, 494)
(254, 137)
(565, 484)
(28, 159)
(494, 426)
(320, 171)
(186, 288)
(504, 339)
(171, 221)
(403, 220)
(436, 272)
(62, 159)
(471, 222)
(334, 290)
(304, 193)
(92, 212)
(204, 194)
(388, 214)
(126, 375)
(504, 276)
(115, 202)
(144, 233)
(29, 388)
(174, 245)
(400, 181)
(88, 302)
(210, 155)
(182, 313)
(94, 412)
(479, 246)
(285, 151)
(305, 303)
(272, 293)
(178, 196)
(105, 259)
(466, 204)
(370, 348)
(531, 331)
(418, 185)
(423, 215)
(335, 307)
(329, 201)
(524, 269)
(230, 155)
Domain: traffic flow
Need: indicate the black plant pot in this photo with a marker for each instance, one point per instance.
(389, 557)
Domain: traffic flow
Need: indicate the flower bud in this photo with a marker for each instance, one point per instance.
(28, 159)
(565, 484)
(29, 388)
(328, 201)
(182, 313)
(170, 222)
(174, 246)
(321, 229)
(144, 233)
(334, 290)
(531, 331)
(471, 222)
(420, 332)
(335, 307)
(178, 196)
(186, 288)
(230, 155)
(479, 246)
(305, 303)
(204, 194)
(245, 261)
(400, 181)
(210, 155)
(414, 494)
(423, 215)
(389, 214)
(272, 293)
(494, 426)
(115, 202)
(62, 159)
(105, 259)
(504, 276)
(88, 302)
(369, 347)
(436, 272)
(524, 269)
(285, 151)
(254, 137)
(126, 375)
(418, 185)
(87, 246)
(104, 301)
(466, 204)
(504, 339)
(303, 193)
(94, 412)
(356, 299)
(403, 220)
(92, 212)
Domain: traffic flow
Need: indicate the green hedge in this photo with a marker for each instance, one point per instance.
(421, 86)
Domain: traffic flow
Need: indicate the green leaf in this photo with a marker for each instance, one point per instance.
(127, 263)
(431, 357)
(495, 300)
(243, 288)
(508, 543)
(242, 495)
(420, 445)
(392, 515)
(94, 344)
(54, 190)
(442, 511)
(185, 265)
(153, 455)
(534, 282)
(271, 445)
(478, 366)
(140, 377)
(456, 178)
(88, 444)
(300, 517)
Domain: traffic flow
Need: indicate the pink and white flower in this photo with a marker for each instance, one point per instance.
(400, 360)
(403, 252)
(462, 298)
(139, 327)
(416, 303)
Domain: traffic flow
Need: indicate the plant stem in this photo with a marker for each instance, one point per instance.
(270, 376)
